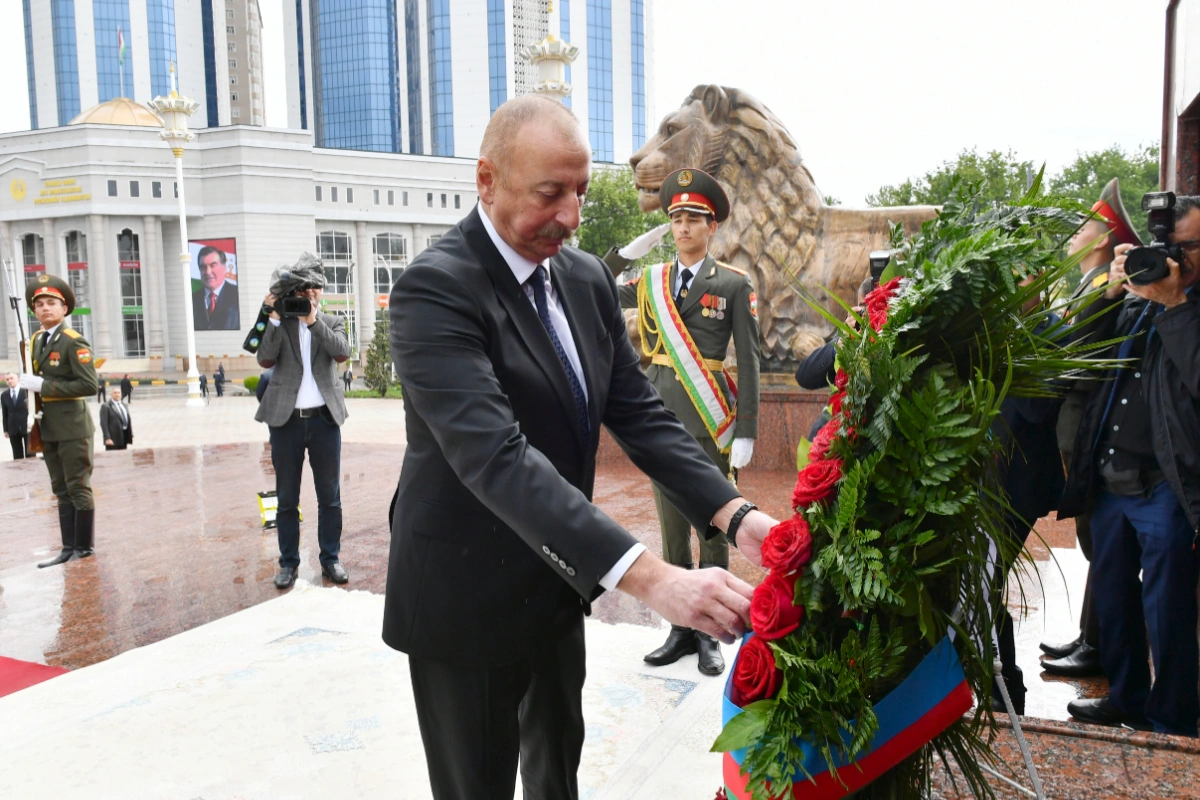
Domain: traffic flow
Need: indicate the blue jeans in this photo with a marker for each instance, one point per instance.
(1151, 534)
(323, 440)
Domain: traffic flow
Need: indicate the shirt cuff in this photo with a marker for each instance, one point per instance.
(275, 322)
(614, 575)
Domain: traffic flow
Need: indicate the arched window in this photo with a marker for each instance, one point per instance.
(333, 248)
(77, 276)
(391, 257)
(33, 253)
(132, 320)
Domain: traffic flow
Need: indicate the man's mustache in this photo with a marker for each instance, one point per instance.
(555, 231)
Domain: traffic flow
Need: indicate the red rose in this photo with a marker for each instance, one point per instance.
(755, 676)
(816, 482)
(876, 303)
(788, 546)
(772, 612)
(835, 402)
(824, 437)
(840, 379)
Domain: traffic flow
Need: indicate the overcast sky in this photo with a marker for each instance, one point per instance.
(873, 91)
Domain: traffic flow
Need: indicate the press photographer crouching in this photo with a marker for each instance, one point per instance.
(1136, 466)
(304, 407)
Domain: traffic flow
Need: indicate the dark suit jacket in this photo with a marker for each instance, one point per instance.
(111, 426)
(224, 317)
(493, 529)
(16, 415)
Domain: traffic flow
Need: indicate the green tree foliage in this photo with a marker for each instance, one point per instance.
(1086, 177)
(611, 216)
(378, 373)
(1005, 177)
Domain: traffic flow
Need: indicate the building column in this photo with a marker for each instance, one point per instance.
(102, 317)
(364, 305)
(418, 239)
(152, 276)
(8, 342)
(50, 246)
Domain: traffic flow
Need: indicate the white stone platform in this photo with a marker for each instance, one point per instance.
(298, 697)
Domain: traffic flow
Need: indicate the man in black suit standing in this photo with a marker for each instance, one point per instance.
(512, 352)
(15, 403)
(116, 426)
(126, 390)
(215, 303)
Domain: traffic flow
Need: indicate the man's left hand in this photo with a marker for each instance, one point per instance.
(314, 299)
(31, 382)
(1168, 291)
(741, 452)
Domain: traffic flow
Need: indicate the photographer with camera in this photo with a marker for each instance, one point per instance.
(1136, 466)
(304, 408)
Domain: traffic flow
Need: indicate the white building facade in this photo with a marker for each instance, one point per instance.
(424, 76)
(95, 204)
(74, 61)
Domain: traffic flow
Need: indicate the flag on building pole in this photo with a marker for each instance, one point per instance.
(121, 45)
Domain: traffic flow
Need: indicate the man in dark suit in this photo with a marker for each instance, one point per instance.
(15, 403)
(116, 425)
(215, 303)
(126, 390)
(511, 352)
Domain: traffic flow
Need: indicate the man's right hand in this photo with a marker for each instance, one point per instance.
(709, 600)
(108, 442)
(269, 300)
(1117, 285)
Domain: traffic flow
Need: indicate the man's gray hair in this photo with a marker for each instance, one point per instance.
(1184, 204)
(506, 123)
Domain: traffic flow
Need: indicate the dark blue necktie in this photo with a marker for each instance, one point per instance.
(538, 282)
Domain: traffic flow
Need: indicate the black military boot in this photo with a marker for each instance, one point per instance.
(66, 525)
(710, 660)
(84, 533)
(680, 642)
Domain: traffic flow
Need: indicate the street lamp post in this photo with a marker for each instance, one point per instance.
(174, 111)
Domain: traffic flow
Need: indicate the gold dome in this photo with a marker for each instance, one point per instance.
(119, 111)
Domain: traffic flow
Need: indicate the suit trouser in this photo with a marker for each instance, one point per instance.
(1151, 534)
(20, 446)
(69, 463)
(477, 720)
(322, 438)
(677, 531)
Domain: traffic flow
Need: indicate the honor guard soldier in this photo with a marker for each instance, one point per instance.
(63, 378)
(687, 312)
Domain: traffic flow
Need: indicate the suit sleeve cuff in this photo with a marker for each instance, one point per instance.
(614, 575)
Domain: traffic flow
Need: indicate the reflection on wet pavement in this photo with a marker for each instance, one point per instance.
(180, 543)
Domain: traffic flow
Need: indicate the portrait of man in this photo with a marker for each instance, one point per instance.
(215, 300)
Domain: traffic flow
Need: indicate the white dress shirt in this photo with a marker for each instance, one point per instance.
(522, 268)
(309, 394)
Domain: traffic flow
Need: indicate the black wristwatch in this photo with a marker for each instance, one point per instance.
(736, 521)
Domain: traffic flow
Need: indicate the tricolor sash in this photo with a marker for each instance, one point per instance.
(654, 299)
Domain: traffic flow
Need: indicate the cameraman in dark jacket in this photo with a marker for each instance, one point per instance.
(1137, 466)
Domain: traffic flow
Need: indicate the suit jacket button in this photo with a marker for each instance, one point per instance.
(563, 564)
(545, 549)
(571, 571)
(554, 558)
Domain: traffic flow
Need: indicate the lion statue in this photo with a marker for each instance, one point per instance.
(779, 230)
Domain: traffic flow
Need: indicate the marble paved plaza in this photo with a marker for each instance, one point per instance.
(192, 676)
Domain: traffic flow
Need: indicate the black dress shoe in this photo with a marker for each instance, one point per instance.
(335, 572)
(1061, 650)
(710, 660)
(1100, 711)
(285, 577)
(1082, 663)
(63, 557)
(680, 642)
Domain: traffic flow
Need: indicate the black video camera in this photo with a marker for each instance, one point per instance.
(294, 306)
(1148, 264)
(879, 262)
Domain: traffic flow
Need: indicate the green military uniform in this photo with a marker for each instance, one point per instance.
(64, 360)
(717, 305)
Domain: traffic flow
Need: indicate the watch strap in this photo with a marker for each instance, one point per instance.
(736, 521)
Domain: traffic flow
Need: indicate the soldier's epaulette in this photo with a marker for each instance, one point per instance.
(74, 334)
(731, 268)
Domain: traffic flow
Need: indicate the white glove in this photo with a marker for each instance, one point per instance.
(31, 382)
(741, 452)
(644, 243)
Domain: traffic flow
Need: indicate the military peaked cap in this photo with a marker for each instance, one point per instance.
(694, 190)
(46, 285)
